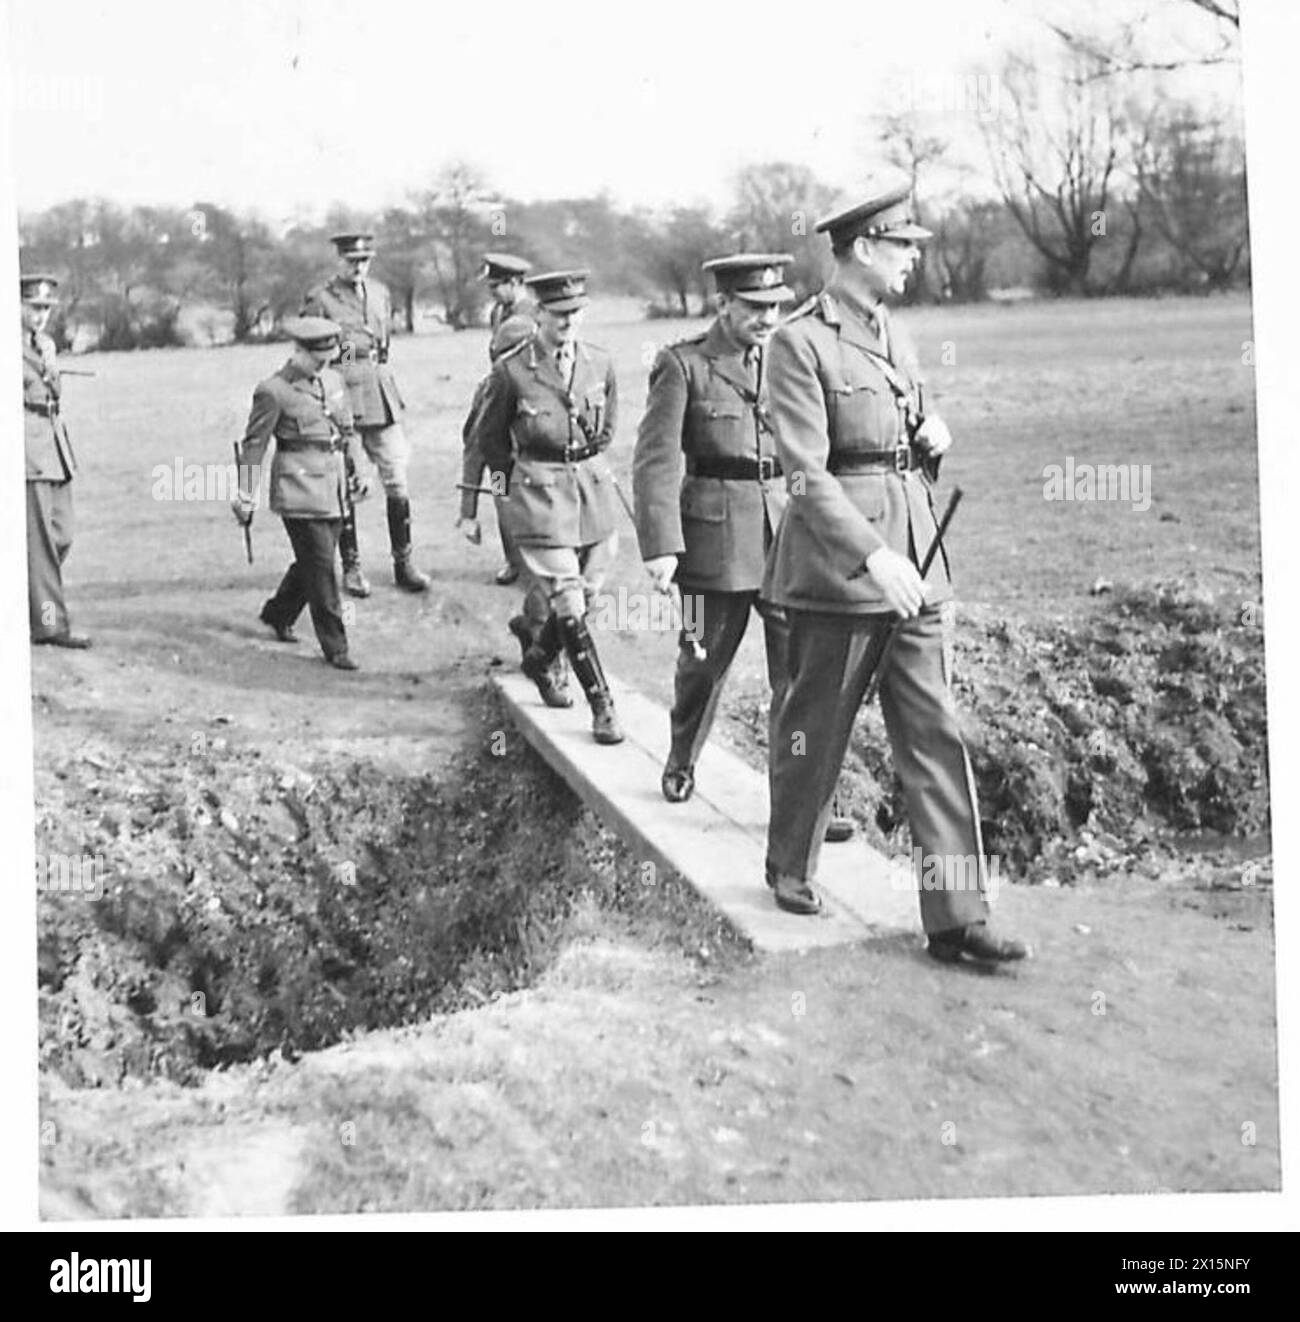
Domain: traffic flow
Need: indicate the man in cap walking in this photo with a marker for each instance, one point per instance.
(547, 417)
(51, 465)
(860, 453)
(512, 319)
(709, 497)
(363, 308)
(304, 409)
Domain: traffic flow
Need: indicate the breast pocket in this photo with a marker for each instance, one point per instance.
(863, 415)
(706, 530)
(540, 425)
(716, 427)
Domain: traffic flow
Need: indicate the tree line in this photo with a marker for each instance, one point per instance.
(1089, 179)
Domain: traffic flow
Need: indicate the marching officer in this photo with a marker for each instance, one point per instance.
(860, 452)
(305, 410)
(710, 527)
(363, 308)
(548, 415)
(50, 468)
(512, 318)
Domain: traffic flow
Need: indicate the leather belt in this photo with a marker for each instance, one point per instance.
(732, 469)
(45, 410)
(901, 459)
(571, 455)
(299, 443)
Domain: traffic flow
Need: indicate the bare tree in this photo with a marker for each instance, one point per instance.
(776, 207)
(454, 220)
(1055, 151)
(1130, 50)
(1191, 173)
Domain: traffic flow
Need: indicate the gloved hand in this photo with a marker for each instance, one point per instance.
(933, 437)
(661, 569)
(898, 579)
(358, 487)
(242, 508)
(470, 530)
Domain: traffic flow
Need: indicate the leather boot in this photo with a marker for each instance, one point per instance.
(354, 581)
(399, 536)
(542, 662)
(591, 675)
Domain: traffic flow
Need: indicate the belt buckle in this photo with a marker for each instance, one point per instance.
(902, 458)
(766, 469)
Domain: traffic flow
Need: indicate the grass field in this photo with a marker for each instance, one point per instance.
(629, 1030)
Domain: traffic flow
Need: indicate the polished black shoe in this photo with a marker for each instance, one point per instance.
(77, 641)
(506, 575)
(975, 942)
(677, 783)
(839, 829)
(793, 894)
(283, 632)
(342, 661)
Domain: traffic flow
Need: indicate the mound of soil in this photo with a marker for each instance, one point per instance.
(250, 907)
(1096, 739)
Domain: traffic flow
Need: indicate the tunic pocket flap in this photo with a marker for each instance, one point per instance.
(707, 408)
(705, 502)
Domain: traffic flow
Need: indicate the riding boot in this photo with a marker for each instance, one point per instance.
(542, 663)
(399, 537)
(586, 665)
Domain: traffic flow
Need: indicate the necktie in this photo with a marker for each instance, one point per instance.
(564, 362)
(882, 329)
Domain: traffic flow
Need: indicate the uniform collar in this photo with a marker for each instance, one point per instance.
(857, 320)
(292, 373)
(727, 358)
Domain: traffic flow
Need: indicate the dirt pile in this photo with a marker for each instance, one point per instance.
(250, 907)
(1095, 739)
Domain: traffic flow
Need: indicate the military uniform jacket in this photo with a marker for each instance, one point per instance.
(510, 325)
(366, 319)
(530, 427)
(310, 420)
(511, 328)
(45, 438)
(831, 397)
(704, 404)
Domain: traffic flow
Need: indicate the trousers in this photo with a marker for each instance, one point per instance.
(390, 452)
(829, 659)
(312, 581)
(721, 619)
(568, 575)
(49, 539)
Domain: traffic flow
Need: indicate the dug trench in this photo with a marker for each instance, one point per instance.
(466, 970)
(248, 909)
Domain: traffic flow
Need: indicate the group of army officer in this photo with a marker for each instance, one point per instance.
(785, 469)
(829, 404)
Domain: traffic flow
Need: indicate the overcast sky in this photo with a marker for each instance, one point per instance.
(287, 107)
